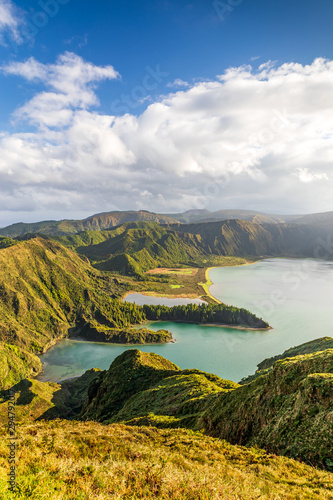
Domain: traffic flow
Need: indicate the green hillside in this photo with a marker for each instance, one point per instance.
(16, 364)
(134, 248)
(311, 347)
(46, 288)
(47, 400)
(140, 384)
(244, 238)
(288, 411)
(48, 292)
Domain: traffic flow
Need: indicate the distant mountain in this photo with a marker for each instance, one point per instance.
(109, 220)
(190, 215)
(96, 222)
(321, 218)
(136, 247)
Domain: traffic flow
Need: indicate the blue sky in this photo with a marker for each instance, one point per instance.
(167, 147)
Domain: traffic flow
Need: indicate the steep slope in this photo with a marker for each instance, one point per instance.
(146, 388)
(46, 289)
(311, 347)
(287, 411)
(242, 238)
(136, 247)
(129, 373)
(16, 364)
(47, 400)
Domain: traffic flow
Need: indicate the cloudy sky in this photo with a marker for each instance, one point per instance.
(165, 105)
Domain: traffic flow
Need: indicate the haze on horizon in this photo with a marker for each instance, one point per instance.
(164, 106)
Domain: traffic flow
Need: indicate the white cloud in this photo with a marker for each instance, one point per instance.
(249, 139)
(178, 83)
(305, 175)
(72, 81)
(10, 20)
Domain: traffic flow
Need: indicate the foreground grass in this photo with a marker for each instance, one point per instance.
(79, 461)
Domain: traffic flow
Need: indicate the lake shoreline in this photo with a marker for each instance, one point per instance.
(205, 287)
(163, 295)
(218, 325)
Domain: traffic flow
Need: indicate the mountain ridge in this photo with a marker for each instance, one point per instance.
(107, 220)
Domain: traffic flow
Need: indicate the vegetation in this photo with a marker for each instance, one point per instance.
(47, 400)
(287, 411)
(205, 313)
(79, 461)
(45, 290)
(16, 364)
(6, 242)
(129, 373)
(48, 292)
(96, 333)
(49, 289)
(311, 347)
(96, 222)
(146, 386)
(134, 248)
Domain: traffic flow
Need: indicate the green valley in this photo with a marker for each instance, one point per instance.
(69, 281)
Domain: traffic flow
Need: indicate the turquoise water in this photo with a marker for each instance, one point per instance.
(140, 299)
(294, 296)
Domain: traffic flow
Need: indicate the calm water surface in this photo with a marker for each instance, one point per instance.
(294, 296)
(140, 299)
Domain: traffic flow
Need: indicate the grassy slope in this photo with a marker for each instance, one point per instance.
(131, 372)
(80, 461)
(16, 364)
(47, 400)
(176, 401)
(136, 247)
(287, 411)
(42, 288)
(45, 289)
(311, 347)
(146, 388)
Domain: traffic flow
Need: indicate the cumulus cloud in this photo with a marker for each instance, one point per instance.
(10, 20)
(247, 139)
(72, 81)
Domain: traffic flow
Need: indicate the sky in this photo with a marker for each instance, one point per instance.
(164, 105)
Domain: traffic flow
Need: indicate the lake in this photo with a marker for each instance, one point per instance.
(293, 295)
(140, 299)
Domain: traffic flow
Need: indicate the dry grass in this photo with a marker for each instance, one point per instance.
(80, 461)
(181, 272)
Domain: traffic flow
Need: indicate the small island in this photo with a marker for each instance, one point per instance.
(93, 332)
